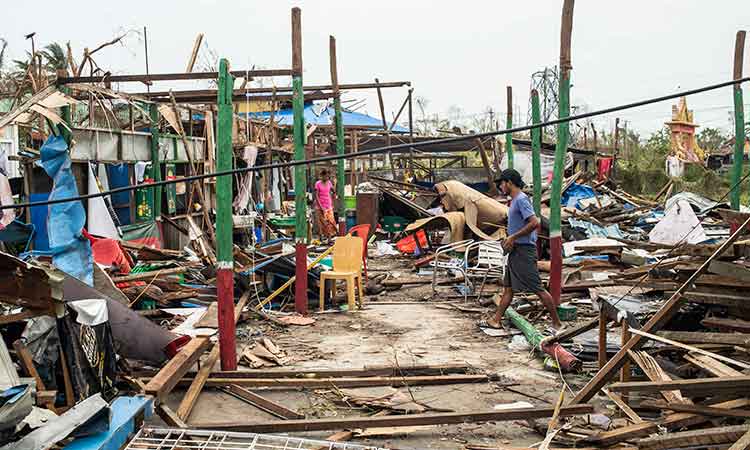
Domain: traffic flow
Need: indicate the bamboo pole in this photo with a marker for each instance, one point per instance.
(300, 171)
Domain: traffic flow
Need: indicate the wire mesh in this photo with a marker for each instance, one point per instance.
(184, 439)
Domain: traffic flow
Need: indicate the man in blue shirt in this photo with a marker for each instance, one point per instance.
(521, 273)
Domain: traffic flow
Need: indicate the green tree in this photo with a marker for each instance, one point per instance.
(711, 138)
(54, 58)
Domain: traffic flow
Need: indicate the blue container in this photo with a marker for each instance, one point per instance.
(351, 219)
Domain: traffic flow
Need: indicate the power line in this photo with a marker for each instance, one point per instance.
(387, 149)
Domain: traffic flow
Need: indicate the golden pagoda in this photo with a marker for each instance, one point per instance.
(683, 142)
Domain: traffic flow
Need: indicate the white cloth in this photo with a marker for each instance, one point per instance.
(99, 220)
(6, 198)
(680, 224)
(674, 166)
(90, 312)
(242, 203)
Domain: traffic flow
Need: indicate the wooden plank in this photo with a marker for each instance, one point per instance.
(742, 326)
(569, 334)
(70, 398)
(694, 438)
(371, 371)
(602, 341)
(191, 396)
(712, 366)
(743, 443)
(346, 381)
(710, 298)
(169, 416)
(617, 400)
(713, 385)
(702, 337)
(654, 372)
(17, 317)
(170, 374)
(194, 53)
(408, 420)
(146, 78)
(731, 361)
(697, 409)
(263, 403)
(729, 269)
(666, 312)
(27, 363)
(670, 422)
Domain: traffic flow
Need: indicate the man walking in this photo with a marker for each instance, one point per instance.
(521, 273)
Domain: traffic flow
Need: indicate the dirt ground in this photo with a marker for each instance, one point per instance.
(406, 326)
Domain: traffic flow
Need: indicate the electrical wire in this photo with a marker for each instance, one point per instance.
(388, 149)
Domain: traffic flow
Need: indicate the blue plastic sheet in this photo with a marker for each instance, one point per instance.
(594, 230)
(574, 193)
(71, 252)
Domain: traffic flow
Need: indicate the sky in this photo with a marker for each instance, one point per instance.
(456, 54)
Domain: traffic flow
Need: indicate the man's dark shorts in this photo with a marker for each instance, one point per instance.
(521, 272)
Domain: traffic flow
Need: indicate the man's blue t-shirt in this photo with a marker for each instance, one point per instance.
(519, 212)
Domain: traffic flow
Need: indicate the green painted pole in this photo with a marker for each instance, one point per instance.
(555, 233)
(565, 359)
(340, 181)
(153, 112)
(536, 153)
(509, 125)
(739, 122)
(300, 172)
(224, 251)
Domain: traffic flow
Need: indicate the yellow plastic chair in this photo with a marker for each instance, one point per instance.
(347, 266)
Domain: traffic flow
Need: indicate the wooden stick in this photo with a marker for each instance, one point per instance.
(617, 400)
(713, 385)
(692, 349)
(261, 402)
(170, 374)
(27, 362)
(407, 420)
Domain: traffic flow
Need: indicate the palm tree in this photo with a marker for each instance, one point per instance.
(54, 58)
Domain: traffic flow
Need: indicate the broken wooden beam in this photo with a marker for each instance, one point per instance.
(407, 420)
(694, 438)
(713, 385)
(570, 333)
(261, 402)
(372, 371)
(743, 326)
(701, 337)
(170, 374)
(349, 382)
(696, 409)
(27, 363)
(672, 421)
(169, 416)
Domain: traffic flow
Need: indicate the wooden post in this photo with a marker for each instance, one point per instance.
(536, 163)
(340, 180)
(602, 350)
(616, 148)
(739, 122)
(153, 113)
(509, 125)
(492, 189)
(388, 157)
(224, 250)
(300, 172)
(625, 369)
(555, 233)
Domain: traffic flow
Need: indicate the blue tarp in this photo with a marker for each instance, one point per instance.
(574, 193)
(39, 220)
(315, 115)
(71, 252)
(593, 230)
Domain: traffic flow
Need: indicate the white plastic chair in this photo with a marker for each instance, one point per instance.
(451, 264)
(491, 262)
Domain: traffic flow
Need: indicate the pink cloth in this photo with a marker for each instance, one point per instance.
(323, 190)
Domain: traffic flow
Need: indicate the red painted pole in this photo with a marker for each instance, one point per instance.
(227, 330)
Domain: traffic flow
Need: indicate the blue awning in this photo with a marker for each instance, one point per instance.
(316, 115)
